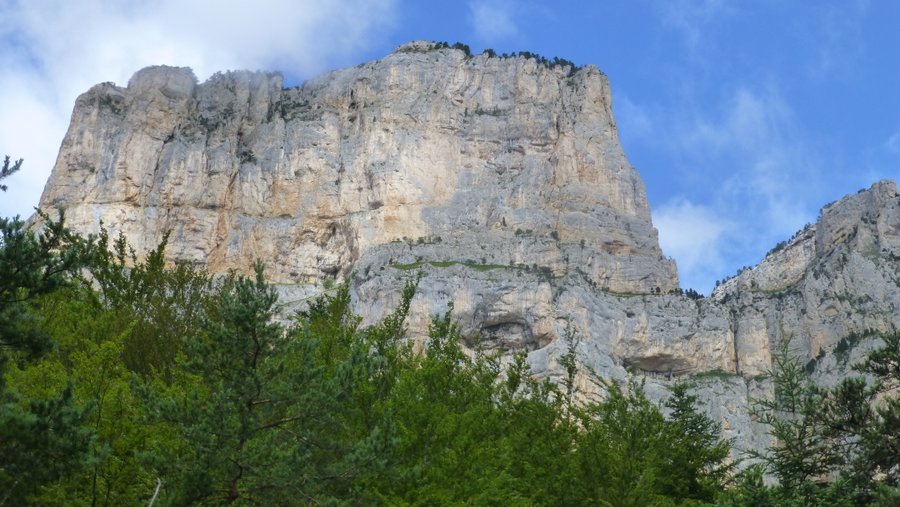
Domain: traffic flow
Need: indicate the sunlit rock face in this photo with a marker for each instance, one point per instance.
(499, 181)
(421, 144)
(835, 283)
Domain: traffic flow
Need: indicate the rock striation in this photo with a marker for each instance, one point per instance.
(501, 153)
(501, 182)
(835, 283)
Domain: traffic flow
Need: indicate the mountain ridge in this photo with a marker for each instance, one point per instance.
(501, 182)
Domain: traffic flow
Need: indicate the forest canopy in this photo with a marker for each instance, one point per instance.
(127, 380)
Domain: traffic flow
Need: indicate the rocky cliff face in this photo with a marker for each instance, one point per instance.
(835, 283)
(505, 155)
(501, 181)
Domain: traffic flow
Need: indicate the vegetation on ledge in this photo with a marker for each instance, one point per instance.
(550, 63)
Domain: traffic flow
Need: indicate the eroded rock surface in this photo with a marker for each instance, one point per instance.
(501, 159)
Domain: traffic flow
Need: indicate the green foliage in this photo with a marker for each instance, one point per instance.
(483, 266)
(777, 248)
(88, 356)
(620, 443)
(467, 436)
(154, 373)
(228, 408)
(846, 344)
(92, 337)
(260, 409)
(456, 45)
(41, 439)
(801, 451)
(645, 458)
(8, 170)
(31, 265)
(157, 304)
(864, 421)
(692, 294)
(749, 490)
(717, 373)
(550, 63)
(835, 446)
(698, 454)
(884, 364)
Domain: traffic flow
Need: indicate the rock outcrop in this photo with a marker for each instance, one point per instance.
(501, 154)
(835, 283)
(502, 182)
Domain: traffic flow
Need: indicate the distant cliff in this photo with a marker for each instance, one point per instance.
(501, 180)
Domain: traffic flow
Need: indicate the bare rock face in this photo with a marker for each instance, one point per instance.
(831, 287)
(502, 183)
(503, 154)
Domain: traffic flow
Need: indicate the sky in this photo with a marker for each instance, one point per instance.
(743, 117)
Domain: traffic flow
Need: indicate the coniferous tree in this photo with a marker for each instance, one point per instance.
(800, 454)
(8, 170)
(698, 452)
(622, 446)
(40, 440)
(862, 421)
(837, 446)
(224, 403)
(271, 415)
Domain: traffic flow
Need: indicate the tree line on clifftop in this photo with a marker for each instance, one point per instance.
(540, 59)
(127, 381)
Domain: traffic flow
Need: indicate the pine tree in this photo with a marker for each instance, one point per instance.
(621, 450)
(262, 411)
(223, 402)
(8, 170)
(40, 440)
(862, 421)
(698, 468)
(801, 456)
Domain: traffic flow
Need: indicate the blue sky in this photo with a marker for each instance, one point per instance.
(743, 117)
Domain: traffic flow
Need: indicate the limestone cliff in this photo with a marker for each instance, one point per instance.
(826, 290)
(501, 181)
(501, 154)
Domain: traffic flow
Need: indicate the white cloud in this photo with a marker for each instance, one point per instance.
(749, 121)
(748, 180)
(50, 51)
(32, 130)
(835, 38)
(770, 174)
(693, 17)
(693, 235)
(893, 143)
(879, 161)
(492, 20)
(632, 118)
